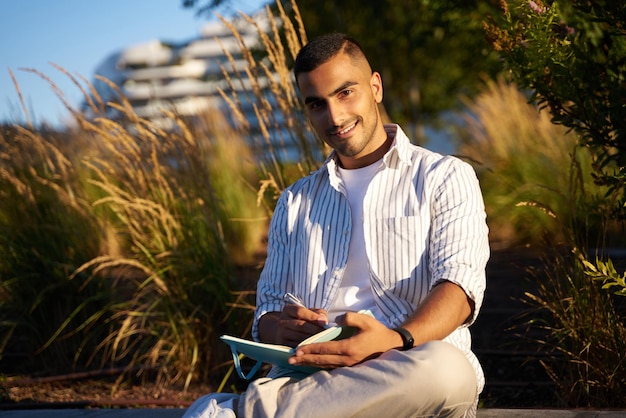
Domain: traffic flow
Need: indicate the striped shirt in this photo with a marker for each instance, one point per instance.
(424, 222)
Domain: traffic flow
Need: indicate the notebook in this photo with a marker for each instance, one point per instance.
(278, 354)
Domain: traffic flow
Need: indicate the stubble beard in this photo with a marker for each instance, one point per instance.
(355, 144)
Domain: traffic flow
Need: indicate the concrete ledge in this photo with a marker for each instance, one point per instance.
(177, 413)
(547, 413)
(94, 413)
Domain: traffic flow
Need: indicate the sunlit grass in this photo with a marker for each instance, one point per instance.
(122, 239)
(536, 182)
(280, 122)
(137, 245)
(47, 230)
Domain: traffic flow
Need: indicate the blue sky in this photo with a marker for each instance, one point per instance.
(77, 35)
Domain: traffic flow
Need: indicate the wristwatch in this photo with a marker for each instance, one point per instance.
(407, 338)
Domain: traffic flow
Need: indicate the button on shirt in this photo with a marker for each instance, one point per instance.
(424, 222)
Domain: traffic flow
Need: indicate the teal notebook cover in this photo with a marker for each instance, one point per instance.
(279, 354)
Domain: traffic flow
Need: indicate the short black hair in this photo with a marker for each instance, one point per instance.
(323, 48)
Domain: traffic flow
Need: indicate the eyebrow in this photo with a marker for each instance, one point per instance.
(344, 86)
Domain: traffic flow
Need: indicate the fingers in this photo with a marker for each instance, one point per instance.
(297, 323)
(294, 331)
(326, 356)
(368, 342)
(355, 319)
(322, 316)
(301, 315)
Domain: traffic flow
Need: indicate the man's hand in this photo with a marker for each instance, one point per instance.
(291, 326)
(296, 323)
(372, 339)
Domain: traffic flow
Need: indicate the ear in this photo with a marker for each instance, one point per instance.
(376, 83)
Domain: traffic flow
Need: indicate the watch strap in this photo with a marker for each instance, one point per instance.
(407, 338)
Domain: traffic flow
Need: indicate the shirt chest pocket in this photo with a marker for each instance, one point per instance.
(398, 250)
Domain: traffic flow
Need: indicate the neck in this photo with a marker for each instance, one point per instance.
(351, 163)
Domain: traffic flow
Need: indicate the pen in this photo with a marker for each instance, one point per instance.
(294, 300)
(290, 298)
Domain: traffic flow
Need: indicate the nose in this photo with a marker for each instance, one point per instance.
(334, 113)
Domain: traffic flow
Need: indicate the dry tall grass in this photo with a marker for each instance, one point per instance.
(47, 230)
(140, 242)
(535, 180)
(137, 229)
(280, 122)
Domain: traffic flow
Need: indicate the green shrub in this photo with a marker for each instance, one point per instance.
(539, 191)
(585, 331)
(571, 57)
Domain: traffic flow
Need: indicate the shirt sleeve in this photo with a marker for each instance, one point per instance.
(273, 281)
(459, 247)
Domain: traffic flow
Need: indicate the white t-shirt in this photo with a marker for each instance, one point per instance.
(355, 292)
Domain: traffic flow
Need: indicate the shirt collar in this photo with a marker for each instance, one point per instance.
(399, 147)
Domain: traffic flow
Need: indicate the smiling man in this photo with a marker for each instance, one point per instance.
(341, 98)
(385, 226)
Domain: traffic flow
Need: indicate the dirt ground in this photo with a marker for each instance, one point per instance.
(513, 374)
(94, 392)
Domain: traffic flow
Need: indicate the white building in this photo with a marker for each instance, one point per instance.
(183, 77)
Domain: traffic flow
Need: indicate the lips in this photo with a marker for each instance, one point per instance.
(348, 129)
(344, 131)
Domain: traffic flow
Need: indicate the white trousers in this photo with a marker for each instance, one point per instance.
(432, 380)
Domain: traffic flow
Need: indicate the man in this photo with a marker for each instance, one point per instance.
(383, 225)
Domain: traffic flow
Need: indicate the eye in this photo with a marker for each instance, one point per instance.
(316, 104)
(345, 93)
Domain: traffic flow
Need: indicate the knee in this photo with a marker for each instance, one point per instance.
(450, 375)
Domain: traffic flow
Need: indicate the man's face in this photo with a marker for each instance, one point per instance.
(341, 98)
